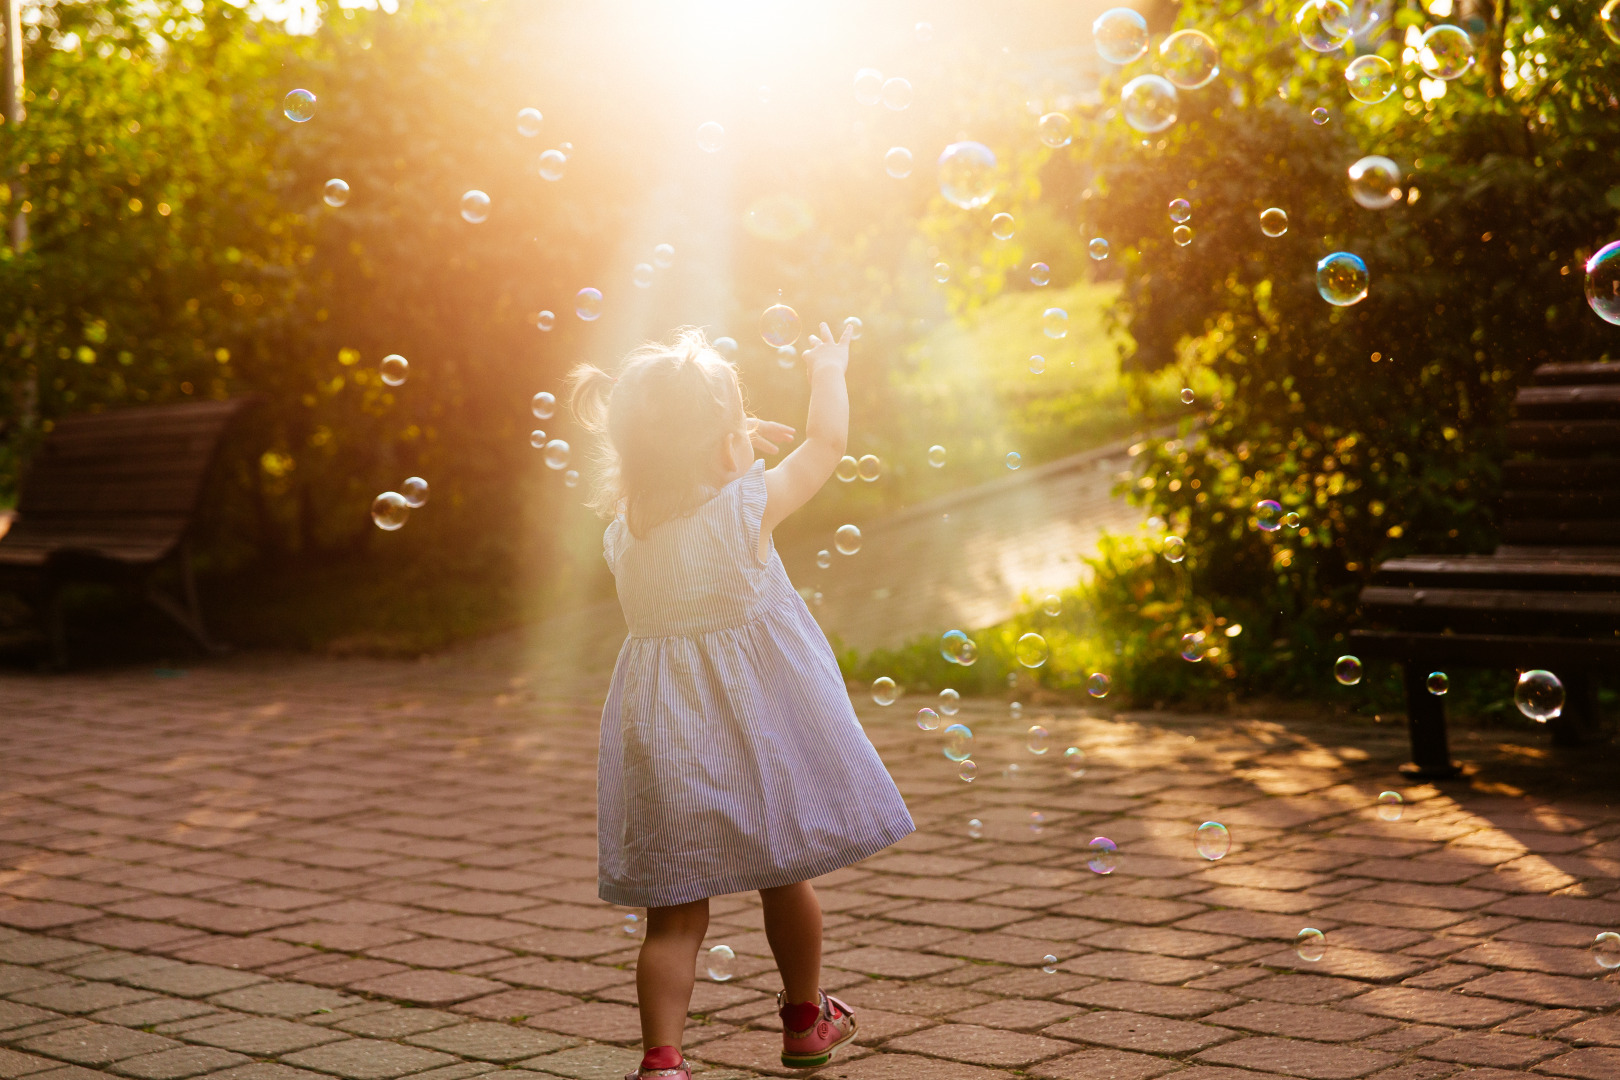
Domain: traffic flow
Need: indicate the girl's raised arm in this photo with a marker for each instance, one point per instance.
(802, 473)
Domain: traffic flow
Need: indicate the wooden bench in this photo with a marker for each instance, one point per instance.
(1549, 597)
(111, 497)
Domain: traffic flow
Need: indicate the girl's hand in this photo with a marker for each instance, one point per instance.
(827, 349)
(767, 435)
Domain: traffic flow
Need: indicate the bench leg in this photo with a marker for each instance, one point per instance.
(1579, 720)
(1426, 724)
(188, 614)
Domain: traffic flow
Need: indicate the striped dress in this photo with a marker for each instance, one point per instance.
(731, 758)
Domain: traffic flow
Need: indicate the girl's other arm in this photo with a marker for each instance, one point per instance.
(803, 472)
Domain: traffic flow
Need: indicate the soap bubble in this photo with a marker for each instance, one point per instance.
(824, 558)
(1016, 709)
(726, 346)
(1180, 210)
(868, 86)
(389, 510)
(393, 369)
(1074, 762)
(475, 207)
(566, 148)
(968, 770)
(1606, 946)
(1001, 226)
(1181, 235)
(897, 162)
(1291, 519)
(949, 701)
(710, 137)
(537, 439)
(632, 924)
(942, 272)
(1323, 25)
(642, 275)
(1037, 364)
(1609, 19)
(1149, 103)
(1438, 683)
(927, 718)
(1098, 685)
(847, 469)
(1273, 221)
(779, 325)
(1031, 650)
(1014, 460)
(1052, 605)
(528, 122)
(1121, 35)
(722, 963)
(1098, 248)
(967, 174)
(336, 192)
(1347, 670)
(1268, 515)
(664, 258)
(1342, 279)
(553, 164)
(1039, 274)
(545, 320)
(1310, 944)
(868, 468)
(415, 491)
(958, 742)
(1049, 964)
(884, 692)
(1371, 78)
(924, 31)
(1319, 116)
(299, 106)
(847, 540)
(1189, 59)
(1446, 51)
(1055, 322)
(1104, 855)
(1194, 646)
(896, 93)
(1375, 182)
(1539, 695)
(1603, 278)
(975, 828)
(1174, 548)
(1212, 840)
(1039, 740)
(936, 456)
(1389, 805)
(588, 304)
(1187, 396)
(785, 357)
(557, 454)
(1054, 129)
(953, 645)
(571, 478)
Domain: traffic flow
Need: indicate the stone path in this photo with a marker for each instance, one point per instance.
(300, 869)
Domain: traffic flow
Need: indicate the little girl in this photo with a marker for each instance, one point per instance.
(730, 757)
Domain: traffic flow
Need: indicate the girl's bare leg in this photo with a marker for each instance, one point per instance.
(665, 970)
(793, 928)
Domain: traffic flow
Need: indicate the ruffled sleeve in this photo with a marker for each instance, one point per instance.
(751, 497)
(612, 541)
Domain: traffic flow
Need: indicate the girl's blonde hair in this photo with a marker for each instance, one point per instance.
(660, 425)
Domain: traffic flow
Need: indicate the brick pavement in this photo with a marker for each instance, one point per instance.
(297, 869)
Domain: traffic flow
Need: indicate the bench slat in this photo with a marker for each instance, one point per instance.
(1531, 531)
(1586, 402)
(1435, 606)
(1561, 475)
(1488, 650)
(1567, 436)
(1489, 571)
(1564, 373)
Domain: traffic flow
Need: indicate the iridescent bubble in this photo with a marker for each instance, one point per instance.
(1291, 519)
(1037, 824)
(785, 357)
(1039, 740)
(664, 258)
(1182, 235)
(571, 478)
(968, 770)
(936, 456)
(632, 924)
(537, 439)
(1037, 364)
(1039, 274)
(1054, 129)
(1074, 762)
(475, 207)
(415, 491)
(949, 701)
(897, 162)
(545, 320)
(1319, 116)
(1539, 695)
(393, 369)
(1149, 103)
(1104, 855)
(1212, 840)
(1180, 210)
(1323, 25)
(726, 346)
(942, 272)
(1014, 460)
(299, 106)
(1446, 51)
(1099, 685)
(847, 469)
(722, 963)
(1342, 279)
(779, 325)
(1016, 709)
(824, 558)
(896, 94)
(1390, 805)
(1055, 323)
(1052, 605)
(927, 718)
(958, 742)
(588, 304)
(1606, 946)
(967, 174)
(884, 691)
(528, 122)
(868, 86)
(1310, 944)
(951, 645)
(1098, 248)
(1194, 646)
(557, 455)
(975, 828)
(642, 275)
(389, 510)
(1603, 279)
(1189, 59)
(336, 192)
(553, 165)
(1438, 683)
(1031, 650)
(1049, 964)
(1121, 35)
(1347, 670)
(1375, 182)
(1174, 548)
(710, 137)
(1371, 78)
(868, 467)
(1001, 226)
(1274, 221)
(1268, 515)
(847, 540)
(1609, 19)
(924, 31)
(1187, 396)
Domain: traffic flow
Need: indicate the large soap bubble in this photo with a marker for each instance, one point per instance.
(299, 106)
(967, 174)
(1189, 58)
(475, 207)
(710, 137)
(336, 192)
(1375, 182)
(1446, 51)
(1603, 282)
(868, 86)
(1609, 19)
(779, 325)
(1539, 695)
(1149, 103)
(1323, 25)
(1054, 129)
(897, 162)
(1274, 221)
(1342, 279)
(1121, 35)
(528, 122)
(588, 304)
(1371, 78)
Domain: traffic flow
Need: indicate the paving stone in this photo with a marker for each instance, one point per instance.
(1598, 1063)
(191, 980)
(890, 963)
(153, 1011)
(13, 1064)
(282, 999)
(242, 953)
(462, 1069)
(979, 1045)
(265, 1070)
(590, 1063)
(96, 1044)
(14, 978)
(1301, 1021)
(1134, 1031)
(263, 1036)
(603, 1021)
(176, 1064)
(1103, 1065)
(14, 1015)
(568, 976)
(1432, 1007)
(33, 949)
(907, 1067)
(1142, 967)
(1148, 998)
(512, 1004)
(1546, 990)
(429, 987)
(367, 1059)
(440, 953)
(81, 997)
(1015, 1014)
(1487, 1048)
(1304, 989)
(490, 1041)
(1298, 1057)
(394, 1023)
(70, 1072)
(1598, 1031)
